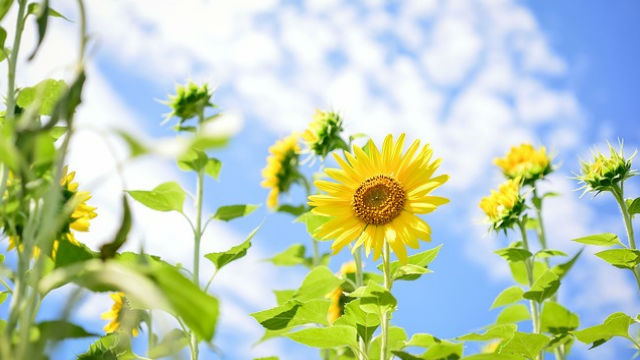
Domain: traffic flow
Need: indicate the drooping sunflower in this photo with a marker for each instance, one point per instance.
(117, 313)
(525, 162)
(504, 206)
(78, 220)
(377, 197)
(281, 170)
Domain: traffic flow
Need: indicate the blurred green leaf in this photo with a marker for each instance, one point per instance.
(514, 254)
(364, 322)
(605, 239)
(616, 324)
(34, 9)
(508, 296)
(525, 344)
(443, 350)
(634, 206)
(621, 258)
(174, 341)
(513, 314)
(136, 147)
(317, 284)
(167, 196)
(212, 168)
(56, 330)
(5, 5)
(327, 337)
(374, 298)
(294, 313)
(562, 269)
(45, 94)
(500, 331)
(519, 271)
(109, 250)
(415, 267)
(3, 296)
(293, 255)
(544, 287)
(556, 319)
(220, 259)
(312, 221)
(69, 253)
(230, 212)
(545, 253)
(397, 339)
(291, 209)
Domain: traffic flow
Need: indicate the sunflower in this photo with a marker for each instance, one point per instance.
(323, 134)
(117, 313)
(281, 170)
(337, 297)
(377, 197)
(525, 162)
(78, 220)
(504, 207)
(606, 172)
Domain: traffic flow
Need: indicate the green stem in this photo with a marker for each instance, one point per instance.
(357, 257)
(13, 61)
(384, 344)
(316, 253)
(535, 317)
(537, 203)
(618, 194)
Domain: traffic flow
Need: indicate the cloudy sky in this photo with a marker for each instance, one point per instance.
(470, 77)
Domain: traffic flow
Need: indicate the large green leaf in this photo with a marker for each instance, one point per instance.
(374, 298)
(513, 314)
(220, 259)
(326, 337)
(616, 324)
(557, 320)
(443, 350)
(500, 331)
(621, 258)
(562, 269)
(56, 330)
(312, 222)
(293, 255)
(519, 271)
(45, 95)
(167, 196)
(230, 212)
(508, 296)
(415, 267)
(397, 339)
(364, 322)
(544, 287)
(317, 284)
(294, 313)
(525, 344)
(605, 239)
(69, 253)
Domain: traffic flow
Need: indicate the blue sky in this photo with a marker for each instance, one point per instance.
(472, 78)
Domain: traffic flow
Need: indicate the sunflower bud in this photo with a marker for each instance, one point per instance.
(323, 134)
(606, 172)
(281, 170)
(189, 101)
(337, 296)
(504, 207)
(525, 162)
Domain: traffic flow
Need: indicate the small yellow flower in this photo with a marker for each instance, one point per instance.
(281, 170)
(337, 297)
(503, 207)
(117, 313)
(323, 134)
(377, 197)
(525, 162)
(606, 172)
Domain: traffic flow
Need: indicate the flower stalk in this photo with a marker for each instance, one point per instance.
(529, 264)
(618, 194)
(384, 343)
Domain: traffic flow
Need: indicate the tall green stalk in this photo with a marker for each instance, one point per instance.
(384, 343)
(357, 257)
(618, 194)
(529, 264)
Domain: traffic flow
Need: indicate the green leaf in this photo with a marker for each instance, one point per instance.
(34, 9)
(114, 346)
(230, 212)
(109, 250)
(616, 324)
(282, 296)
(508, 296)
(212, 168)
(327, 337)
(56, 330)
(174, 341)
(374, 298)
(519, 271)
(415, 267)
(3, 296)
(634, 206)
(3, 32)
(605, 239)
(136, 147)
(5, 5)
(443, 351)
(293, 255)
(525, 344)
(167, 196)
(294, 313)
(557, 320)
(69, 253)
(544, 287)
(45, 94)
(562, 269)
(397, 338)
(317, 284)
(549, 253)
(514, 254)
(291, 209)
(364, 322)
(220, 259)
(312, 221)
(621, 258)
(422, 340)
(490, 357)
(513, 314)
(501, 331)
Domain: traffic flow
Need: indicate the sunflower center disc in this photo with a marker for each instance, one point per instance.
(378, 200)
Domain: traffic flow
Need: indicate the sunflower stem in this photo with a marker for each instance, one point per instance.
(384, 343)
(357, 257)
(529, 264)
(618, 194)
(316, 253)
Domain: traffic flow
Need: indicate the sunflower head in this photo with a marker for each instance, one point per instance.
(323, 134)
(119, 314)
(504, 206)
(281, 170)
(189, 101)
(606, 172)
(337, 296)
(525, 162)
(377, 196)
